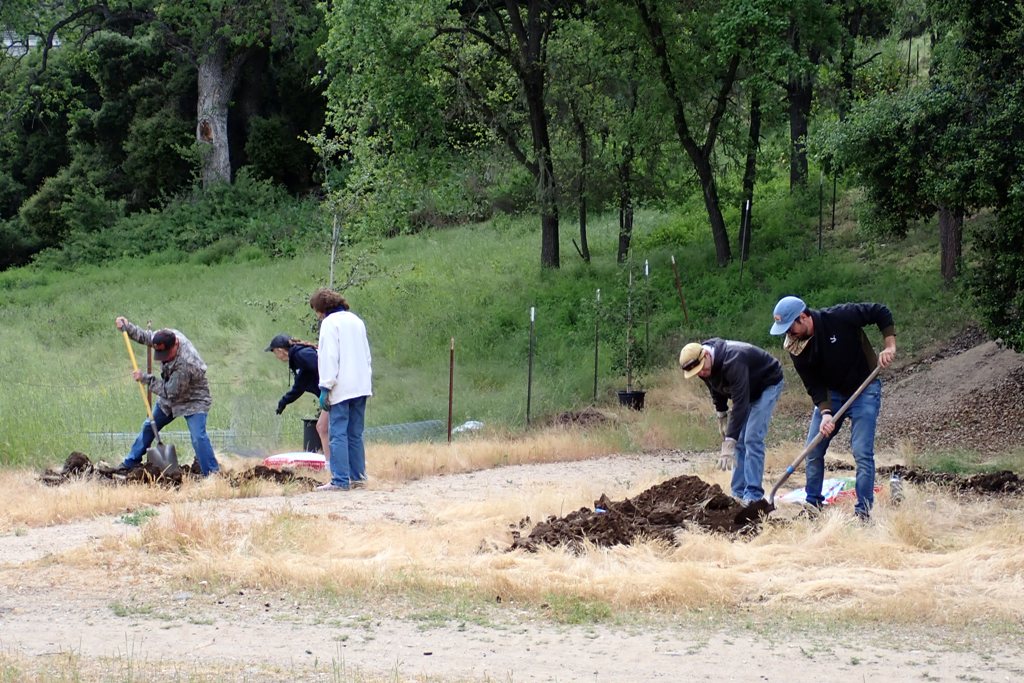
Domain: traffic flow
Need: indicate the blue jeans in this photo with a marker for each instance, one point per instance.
(748, 471)
(348, 456)
(196, 429)
(864, 415)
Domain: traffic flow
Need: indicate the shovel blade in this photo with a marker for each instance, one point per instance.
(164, 458)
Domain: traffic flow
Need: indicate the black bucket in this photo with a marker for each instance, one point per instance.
(310, 437)
(632, 399)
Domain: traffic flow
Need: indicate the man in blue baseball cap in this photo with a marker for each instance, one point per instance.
(833, 356)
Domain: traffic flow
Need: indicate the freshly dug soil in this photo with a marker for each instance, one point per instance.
(78, 466)
(588, 417)
(1003, 482)
(657, 513)
(688, 502)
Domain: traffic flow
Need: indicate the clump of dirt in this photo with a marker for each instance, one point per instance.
(588, 417)
(79, 466)
(657, 513)
(999, 483)
(688, 502)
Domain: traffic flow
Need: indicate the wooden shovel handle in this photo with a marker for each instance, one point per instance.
(817, 439)
(135, 366)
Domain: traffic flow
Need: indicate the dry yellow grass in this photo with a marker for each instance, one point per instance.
(938, 559)
(29, 503)
(406, 462)
(71, 667)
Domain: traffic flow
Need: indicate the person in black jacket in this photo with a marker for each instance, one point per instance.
(302, 361)
(752, 378)
(833, 356)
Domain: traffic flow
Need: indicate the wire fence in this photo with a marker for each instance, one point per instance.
(250, 442)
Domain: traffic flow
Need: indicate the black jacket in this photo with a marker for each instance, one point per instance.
(839, 356)
(302, 360)
(741, 372)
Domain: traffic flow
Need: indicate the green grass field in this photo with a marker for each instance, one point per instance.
(66, 373)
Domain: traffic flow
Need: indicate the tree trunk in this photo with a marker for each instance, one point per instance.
(705, 174)
(584, 141)
(750, 174)
(799, 92)
(849, 44)
(625, 203)
(951, 230)
(218, 76)
(700, 155)
(546, 189)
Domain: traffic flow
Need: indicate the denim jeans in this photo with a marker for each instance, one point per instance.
(864, 416)
(348, 456)
(196, 429)
(748, 471)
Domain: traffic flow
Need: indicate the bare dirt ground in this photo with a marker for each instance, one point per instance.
(187, 632)
(43, 612)
(967, 395)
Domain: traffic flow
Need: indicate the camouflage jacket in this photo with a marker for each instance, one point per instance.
(181, 386)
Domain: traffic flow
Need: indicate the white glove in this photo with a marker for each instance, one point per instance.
(723, 422)
(727, 457)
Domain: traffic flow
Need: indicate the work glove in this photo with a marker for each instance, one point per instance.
(723, 422)
(280, 407)
(324, 399)
(728, 455)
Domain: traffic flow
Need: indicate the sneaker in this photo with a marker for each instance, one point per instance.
(330, 487)
(359, 483)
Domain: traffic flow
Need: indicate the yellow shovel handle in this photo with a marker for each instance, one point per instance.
(135, 366)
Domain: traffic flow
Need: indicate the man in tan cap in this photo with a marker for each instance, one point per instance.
(752, 378)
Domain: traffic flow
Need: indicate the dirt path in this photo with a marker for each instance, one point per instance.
(271, 636)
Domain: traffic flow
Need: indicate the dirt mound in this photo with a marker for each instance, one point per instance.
(688, 502)
(588, 417)
(679, 503)
(969, 394)
(999, 483)
(79, 466)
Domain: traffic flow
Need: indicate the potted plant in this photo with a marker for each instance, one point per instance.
(635, 354)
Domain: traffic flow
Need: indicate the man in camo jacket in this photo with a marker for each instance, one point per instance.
(182, 390)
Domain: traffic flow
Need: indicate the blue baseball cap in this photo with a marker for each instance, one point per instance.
(786, 312)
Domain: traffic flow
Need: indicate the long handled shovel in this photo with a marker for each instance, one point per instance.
(817, 439)
(162, 456)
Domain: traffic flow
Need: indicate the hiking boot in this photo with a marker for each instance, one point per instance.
(330, 487)
(810, 511)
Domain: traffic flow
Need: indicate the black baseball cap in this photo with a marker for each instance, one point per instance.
(281, 341)
(163, 342)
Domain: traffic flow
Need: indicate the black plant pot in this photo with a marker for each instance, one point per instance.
(632, 399)
(310, 437)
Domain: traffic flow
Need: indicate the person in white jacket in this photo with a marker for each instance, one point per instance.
(345, 384)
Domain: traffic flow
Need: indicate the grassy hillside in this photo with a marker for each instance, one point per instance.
(66, 372)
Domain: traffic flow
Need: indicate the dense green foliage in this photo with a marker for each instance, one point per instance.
(404, 116)
(100, 123)
(955, 142)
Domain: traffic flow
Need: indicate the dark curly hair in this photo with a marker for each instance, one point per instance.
(324, 300)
